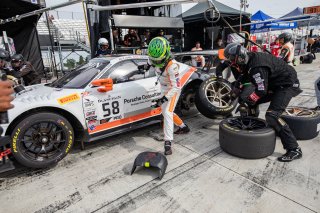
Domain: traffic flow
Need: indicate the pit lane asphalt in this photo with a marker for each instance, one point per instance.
(200, 177)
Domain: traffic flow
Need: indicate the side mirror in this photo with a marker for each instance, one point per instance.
(105, 84)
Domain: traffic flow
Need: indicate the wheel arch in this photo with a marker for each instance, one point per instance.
(76, 124)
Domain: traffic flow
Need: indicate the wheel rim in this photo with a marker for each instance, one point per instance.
(246, 123)
(43, 141)
(299, 112)
(218, 94)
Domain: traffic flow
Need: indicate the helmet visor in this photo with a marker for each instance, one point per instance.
(158, 63)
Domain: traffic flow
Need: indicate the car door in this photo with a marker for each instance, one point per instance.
(128, 102)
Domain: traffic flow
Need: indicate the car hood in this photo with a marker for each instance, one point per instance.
(42, 93)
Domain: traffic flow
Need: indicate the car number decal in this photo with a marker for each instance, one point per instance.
(68, 99)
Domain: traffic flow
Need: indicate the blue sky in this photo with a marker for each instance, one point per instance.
(275, 8)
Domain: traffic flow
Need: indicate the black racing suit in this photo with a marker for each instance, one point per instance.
(28, 74)
(276, 82)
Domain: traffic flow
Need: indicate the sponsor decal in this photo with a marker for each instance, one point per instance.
(14, 140)
(109, 99)
(90, 113)
(88, 104)
(69, 99)
(106, 120)
(92, 122)
(261, 86)
(91, 118)
(143, 97)
(84, 94)
(69, 143)
(92, 127)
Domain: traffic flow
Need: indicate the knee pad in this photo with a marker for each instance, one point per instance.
(274, 120)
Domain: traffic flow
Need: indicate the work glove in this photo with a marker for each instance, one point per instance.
(235, 92)
(158, 102)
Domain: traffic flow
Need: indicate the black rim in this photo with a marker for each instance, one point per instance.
(246, 123)
(218, 94)
(43, 141)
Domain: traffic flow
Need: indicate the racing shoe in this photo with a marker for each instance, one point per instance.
(291, 155)
(317, 108)
(167, 148)
(182, 130)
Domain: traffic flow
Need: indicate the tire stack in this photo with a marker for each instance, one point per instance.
(304, 123)
(245, 142)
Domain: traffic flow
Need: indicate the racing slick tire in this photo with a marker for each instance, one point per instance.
(303, 122)
(246, 137)
(213, 98)
(42, 140)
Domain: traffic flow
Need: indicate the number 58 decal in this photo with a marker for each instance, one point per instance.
(111, 109)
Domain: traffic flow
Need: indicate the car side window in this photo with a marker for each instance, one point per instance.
(127, 71)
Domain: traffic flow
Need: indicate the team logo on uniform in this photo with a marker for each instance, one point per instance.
(178, 82)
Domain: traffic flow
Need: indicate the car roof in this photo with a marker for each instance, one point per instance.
(118, 57)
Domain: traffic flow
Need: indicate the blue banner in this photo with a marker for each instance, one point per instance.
(265, 27)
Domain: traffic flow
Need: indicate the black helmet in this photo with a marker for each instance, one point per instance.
(227, 48)
(237, 54)
(17, 58)
(286, 37)
(4, 55)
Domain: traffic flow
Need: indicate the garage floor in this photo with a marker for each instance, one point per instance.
(200, 177)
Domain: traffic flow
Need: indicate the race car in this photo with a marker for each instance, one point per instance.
(104, 97)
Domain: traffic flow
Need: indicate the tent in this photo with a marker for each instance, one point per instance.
(269, 26)
(302, 19)
(196, 13)
(260, 16)
(296, 12)
(198, 29)
(23, 32)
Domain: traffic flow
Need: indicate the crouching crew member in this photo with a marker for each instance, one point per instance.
(275, 82)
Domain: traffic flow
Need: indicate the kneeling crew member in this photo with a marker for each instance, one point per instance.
(275, 82)
(168, 71)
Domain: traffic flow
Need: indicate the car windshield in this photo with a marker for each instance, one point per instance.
(80, 76)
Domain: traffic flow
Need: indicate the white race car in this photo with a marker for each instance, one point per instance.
(84, 105)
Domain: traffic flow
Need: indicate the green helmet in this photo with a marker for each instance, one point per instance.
(159, 51)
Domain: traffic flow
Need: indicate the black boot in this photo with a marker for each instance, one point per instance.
(167, 148)
(183, 130)
(291, 155)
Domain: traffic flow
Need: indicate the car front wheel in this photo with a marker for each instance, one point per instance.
(42, 139)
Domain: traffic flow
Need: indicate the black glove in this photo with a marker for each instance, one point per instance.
(158, 102)
(219, 77)
(144, 67)
(235, 92)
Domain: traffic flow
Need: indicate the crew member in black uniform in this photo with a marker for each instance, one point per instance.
(274, 81)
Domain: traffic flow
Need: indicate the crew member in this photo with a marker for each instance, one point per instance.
(6, 87)
(23, 69)
(168, 71)
(314, 45)
(275, 82)
(197, 60)
(103, 47)
(275, 47)
(287, 48)
(132, 39)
